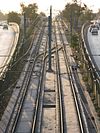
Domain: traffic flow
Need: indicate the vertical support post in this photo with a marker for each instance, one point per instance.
(71, 24)
(24, 26)
(49, 35)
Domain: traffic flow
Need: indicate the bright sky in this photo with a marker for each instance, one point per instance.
(43, 5)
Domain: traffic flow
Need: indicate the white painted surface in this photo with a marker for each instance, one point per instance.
(94, 44)
(8, 42)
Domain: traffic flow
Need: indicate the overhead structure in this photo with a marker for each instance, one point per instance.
(50, 38)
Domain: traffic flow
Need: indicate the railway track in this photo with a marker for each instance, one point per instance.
(64, 73)
(32, 69)
(86, 122)
(44, 101)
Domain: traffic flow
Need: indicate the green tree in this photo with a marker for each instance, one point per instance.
(75, 40)
(42, 14)
(87, 15)
(72, 12)
(3, 16)
(30, 10)
(13, 17)
(76, 14)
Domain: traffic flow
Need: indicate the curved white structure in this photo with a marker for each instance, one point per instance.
(8, 41)
(94, 44)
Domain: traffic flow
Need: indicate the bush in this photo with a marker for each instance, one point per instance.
(74, 40)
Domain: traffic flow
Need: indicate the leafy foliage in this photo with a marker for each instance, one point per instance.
(3, 16)
(72, 13)
(87, 15)
(75, 40)
(76, 14)
(30, 10)
(14, 17)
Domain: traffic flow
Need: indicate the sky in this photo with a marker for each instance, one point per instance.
(43, 5)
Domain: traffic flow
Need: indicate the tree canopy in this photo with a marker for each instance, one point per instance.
(3, 16)
(14, 17)
(30, 10)
(75, 13)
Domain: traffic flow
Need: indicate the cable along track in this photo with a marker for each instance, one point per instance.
(48, 113)
(86, 122)
(70, 103)
(47, 102)
(24, 104)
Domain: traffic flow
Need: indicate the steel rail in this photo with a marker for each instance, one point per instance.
(24, 86)
(59, 91)
(83, 108)
(84, 105)
(72, 84)
(37, 117)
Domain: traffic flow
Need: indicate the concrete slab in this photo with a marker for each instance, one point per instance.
(24, 127)
(27, 115)
(49, 119)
